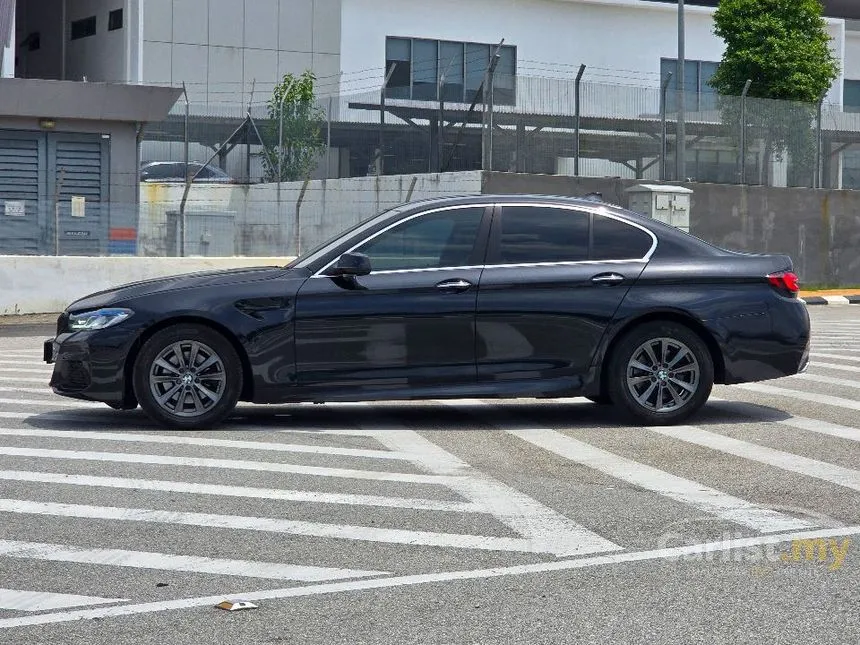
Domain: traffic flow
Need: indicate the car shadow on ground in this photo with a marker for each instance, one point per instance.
(456, 417)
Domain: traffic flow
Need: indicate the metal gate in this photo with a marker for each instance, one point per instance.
(54, 193)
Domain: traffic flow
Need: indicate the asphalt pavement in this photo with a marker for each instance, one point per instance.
(436, 522)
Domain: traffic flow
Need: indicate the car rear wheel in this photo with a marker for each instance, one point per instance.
(661, 373)
(188, 376)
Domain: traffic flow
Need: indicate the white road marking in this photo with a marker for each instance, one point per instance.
(25, 363)
(15, 379)
(841, 357)
(240, 491)
(676, 553)
(548, 530)
(834, 366)
(45, 391)
(229, 464)
(677, 488)
(203, 441)
(824, 399)
(826, 380)
(170, 562)
(753, 452)
(274, 525)
(16, 370)
(17, 600)
(65, 403)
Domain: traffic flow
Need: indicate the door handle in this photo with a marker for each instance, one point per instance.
(608, 279)
(454, 285)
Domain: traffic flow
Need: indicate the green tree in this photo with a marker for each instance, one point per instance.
(783, 47)
(294, 135)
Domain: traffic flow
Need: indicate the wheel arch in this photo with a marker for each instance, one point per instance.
(247, 380)
(664, 316)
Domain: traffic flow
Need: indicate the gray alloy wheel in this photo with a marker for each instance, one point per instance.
(663, 375)
(187, 379)
(188, 376)
(660, 373)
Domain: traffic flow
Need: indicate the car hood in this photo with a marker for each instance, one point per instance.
(126, 292)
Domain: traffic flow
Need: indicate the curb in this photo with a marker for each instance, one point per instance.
(832, 300)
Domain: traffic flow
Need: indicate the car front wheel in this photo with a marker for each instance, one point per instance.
(661, 373)
(188, 376)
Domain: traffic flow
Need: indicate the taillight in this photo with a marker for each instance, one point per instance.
(784, 281)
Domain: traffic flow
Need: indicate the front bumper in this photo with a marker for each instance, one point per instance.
(91, 366)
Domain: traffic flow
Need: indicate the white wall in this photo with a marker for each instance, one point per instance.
(852, 55)
(8, 68)
(101, 57)
(36, 285)
(222, 48)
(621, 41)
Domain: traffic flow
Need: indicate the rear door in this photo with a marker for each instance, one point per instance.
(554, 278)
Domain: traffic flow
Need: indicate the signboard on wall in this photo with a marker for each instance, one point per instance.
(15, 209)
(79, 206)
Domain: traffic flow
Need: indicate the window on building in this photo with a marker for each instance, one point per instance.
(33, 42)
(420, 64)
(851, 96)
(699, 95)
(83, 28)
(115, 20)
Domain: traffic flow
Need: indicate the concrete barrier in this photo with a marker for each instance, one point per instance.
(37, 284)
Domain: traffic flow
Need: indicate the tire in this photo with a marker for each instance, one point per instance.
(671, 390)
(177, 394)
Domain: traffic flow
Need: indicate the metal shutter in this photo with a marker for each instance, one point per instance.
(22, 183)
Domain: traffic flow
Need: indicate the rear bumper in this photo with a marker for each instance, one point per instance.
(770, 345)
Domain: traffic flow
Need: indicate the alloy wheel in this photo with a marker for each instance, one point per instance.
(187, 378)
(663, 375)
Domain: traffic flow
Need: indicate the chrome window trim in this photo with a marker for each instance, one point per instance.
(600, 211)
(319, 274)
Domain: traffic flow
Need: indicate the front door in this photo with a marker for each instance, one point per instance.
(411, 322)
(554, 279)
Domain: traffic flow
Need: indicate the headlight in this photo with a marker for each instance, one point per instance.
(100, 319)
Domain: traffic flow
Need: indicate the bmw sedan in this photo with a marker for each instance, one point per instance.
(487, 296)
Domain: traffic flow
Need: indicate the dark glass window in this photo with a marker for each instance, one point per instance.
(851, 96)
(700, 96)
(420, 64)
(444, 239)
(398, 54)
(115, 20)
(83, 28)
(33, 41)
(532, 234)
(614, 240)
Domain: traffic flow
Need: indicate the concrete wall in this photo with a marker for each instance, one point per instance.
(220, 47)
(819, 229)
(33, 285)
(101, 57)
(265, 223)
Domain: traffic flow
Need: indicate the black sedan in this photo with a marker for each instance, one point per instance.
(488, 296)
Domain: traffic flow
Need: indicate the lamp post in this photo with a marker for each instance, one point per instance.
(681, 136)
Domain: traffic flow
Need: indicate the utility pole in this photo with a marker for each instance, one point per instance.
(681, 143)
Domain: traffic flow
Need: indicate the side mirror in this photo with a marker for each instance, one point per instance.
(350, 265)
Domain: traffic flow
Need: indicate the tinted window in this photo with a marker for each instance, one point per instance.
(531, 234)
(614, 240)
(158, 171)
(444, 239)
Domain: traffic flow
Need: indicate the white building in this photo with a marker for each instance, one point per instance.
(223, 49)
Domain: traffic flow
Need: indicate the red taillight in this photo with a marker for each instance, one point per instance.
(784, 281)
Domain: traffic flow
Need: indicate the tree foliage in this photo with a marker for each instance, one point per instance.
(783, 47)
(293, 153)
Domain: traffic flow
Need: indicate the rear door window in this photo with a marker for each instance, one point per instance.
(615, 240)
(539, 234)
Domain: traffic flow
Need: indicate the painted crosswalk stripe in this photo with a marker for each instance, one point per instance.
(812, 397)
(789, 462)
(682, 490)
(129, 437)
(221, 490)
(548, 530)
(815, 365)
(24, 363)
(277, 525)
(45, 391)
(16, 370)
(19, 600)
(17, 379)
(841, 357)
(65, 403)
(171, 562)
(826, 380)
(228, 464)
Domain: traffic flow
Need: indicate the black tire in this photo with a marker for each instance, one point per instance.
(671, 382)
(198, 396)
